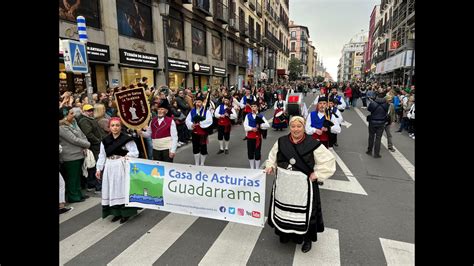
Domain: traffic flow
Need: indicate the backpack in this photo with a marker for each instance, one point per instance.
(396, 103)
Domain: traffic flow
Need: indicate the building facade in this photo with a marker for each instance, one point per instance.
(299, 43)
(350, 64)
(209, 42)
(311, 62)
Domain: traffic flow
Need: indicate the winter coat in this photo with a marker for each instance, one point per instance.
(73, 142)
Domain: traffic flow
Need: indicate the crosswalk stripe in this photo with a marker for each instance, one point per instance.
(402, 160)
(79, 207)
(234, 234)
(84, 238)
(397, 252)
(148, 248)
(325, 251)
(351, 186)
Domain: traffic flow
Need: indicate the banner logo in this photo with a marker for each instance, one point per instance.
(146, 183)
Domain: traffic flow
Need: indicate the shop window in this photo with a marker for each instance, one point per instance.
(134, 76)
(177, 80)
(100, 77)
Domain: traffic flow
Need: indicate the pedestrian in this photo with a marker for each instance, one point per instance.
(179, 118)
(254, 124)
(348, 96)
(363, 95)
(198, 120)
(342, 104)
(163, 133)
(224, 114)
(355, 95)
(411, 121)
(391, 118)
(73, 143)
(318, 124)
(101, 117)
(336, 128)
(114, 149)
(297, 158)
(62, 191)
(94, 133)
(377, 121)
(404, 110)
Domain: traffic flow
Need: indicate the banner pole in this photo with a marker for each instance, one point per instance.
(143, 144)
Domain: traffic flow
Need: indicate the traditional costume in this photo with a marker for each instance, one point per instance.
(201, 119)
(317, 120)
(295, 203)
(280, 120)
(254, 139)
(112, 164)
(224, 114)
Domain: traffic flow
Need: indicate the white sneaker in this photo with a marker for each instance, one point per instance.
(413, 137)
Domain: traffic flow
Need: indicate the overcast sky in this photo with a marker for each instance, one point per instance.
(331, 24)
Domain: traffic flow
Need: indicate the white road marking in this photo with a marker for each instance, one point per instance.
(149, 247)
(397, 252)
(325, 251)
(402, 160)
(234, 235)
(79, 207)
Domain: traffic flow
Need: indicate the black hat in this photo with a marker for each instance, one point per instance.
(164, 104)
(199, 97)
(254, 102)
(334, 100)
(322, 99)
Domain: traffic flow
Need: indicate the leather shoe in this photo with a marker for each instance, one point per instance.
(369, 152)
(123, 220)
(306, 246)
(391, 149)
(226, 151)
(377, 156)
(116, 218)
(220, 152)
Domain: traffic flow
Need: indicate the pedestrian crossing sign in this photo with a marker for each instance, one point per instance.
(75, 57)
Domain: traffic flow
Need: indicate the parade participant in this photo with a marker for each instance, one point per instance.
(348, 95)
(253, 125)
(114, 149)
(73, 143)
(319, 124)
(301, 161)
(391, 117)
(279, 117)
(342, 104)
(336, 128)
(377, 120)
(244, 102)
(224, 113)
(163, 133)
(198, 120)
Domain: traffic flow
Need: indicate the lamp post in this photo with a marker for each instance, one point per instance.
(164, 11)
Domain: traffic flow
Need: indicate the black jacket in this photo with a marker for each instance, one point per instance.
(378, 112)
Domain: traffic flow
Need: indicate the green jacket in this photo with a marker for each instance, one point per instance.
(93, 132)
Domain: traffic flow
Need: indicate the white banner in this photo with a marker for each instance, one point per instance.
(230, 194)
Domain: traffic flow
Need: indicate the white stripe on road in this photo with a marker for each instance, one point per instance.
(323, 252)
(239, 238)
(398, 253)
(79, 207)
(84, 238)
(148, 248)
(406, 165)
(351, 186)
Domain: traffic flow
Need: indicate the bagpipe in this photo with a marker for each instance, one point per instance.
(259, 121)
(198, 118)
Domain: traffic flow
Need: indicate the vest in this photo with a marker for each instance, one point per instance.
(116, 146)
(305, 149)
(197, 129)
(247, 108)
(317, 122)
(223, 120)
(161, 131)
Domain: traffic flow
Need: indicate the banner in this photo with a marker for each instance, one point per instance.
(222, 193)
(133, 108)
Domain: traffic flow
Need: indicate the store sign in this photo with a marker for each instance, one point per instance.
(217, 71)
(201, 68)
(394, 45)
(137, 58)
(176, 64)
(133, 108)
(98, 52)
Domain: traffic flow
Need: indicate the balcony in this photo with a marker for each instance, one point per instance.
(244, 28)
(304, 49)
(259, 10)
(221, 12)
(273, 40)
(252, 36)
(234, 23)
(258, 36)
(303, 38)
(203, 5)
(252, 4)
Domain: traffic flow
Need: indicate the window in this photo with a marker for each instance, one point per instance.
(216, 46)
(293, 34)
(134, 19)
(203, 4)
(89, 9)
(199, 38)
(292, 56)
(175, 30)
(293, 46)
(134, 75)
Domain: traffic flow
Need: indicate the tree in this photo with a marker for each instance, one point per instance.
(295, 67)
(320, 79)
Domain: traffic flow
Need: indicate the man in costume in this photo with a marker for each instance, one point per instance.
(295, 210)
(198, 120)
(319, 122)
(336, 128)
(224, 113)
(279, 117)
(254, 124)
(163, 133)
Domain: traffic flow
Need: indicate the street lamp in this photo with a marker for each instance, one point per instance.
(164, 11)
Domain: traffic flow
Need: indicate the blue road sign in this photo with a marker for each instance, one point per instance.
(75, 57)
